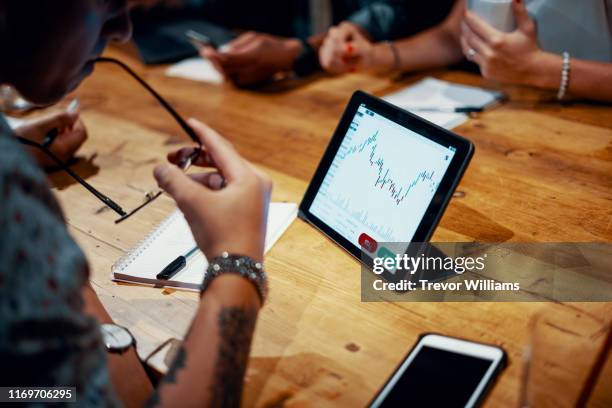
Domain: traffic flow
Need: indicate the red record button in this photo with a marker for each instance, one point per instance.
(368, 242)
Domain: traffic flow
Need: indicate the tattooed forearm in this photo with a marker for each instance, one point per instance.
(170, 378)
(235, 331)
(236, 327)
(179, 362)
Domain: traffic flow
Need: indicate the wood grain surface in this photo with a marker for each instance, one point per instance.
(541, 172)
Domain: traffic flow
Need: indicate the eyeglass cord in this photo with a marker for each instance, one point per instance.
(106, 200)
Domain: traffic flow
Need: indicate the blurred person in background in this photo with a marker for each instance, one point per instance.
(283, 36)
(558, 45)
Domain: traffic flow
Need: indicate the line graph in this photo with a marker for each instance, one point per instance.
(398, 193)
(385, 179)
(359, 147)
(381, 180)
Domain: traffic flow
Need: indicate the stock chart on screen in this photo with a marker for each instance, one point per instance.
(381, 181)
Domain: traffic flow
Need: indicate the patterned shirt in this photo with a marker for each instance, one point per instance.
(46, 339)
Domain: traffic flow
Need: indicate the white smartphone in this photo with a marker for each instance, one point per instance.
(442, 371)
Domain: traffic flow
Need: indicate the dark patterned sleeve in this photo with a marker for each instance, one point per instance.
(45, 337)
(394, 19)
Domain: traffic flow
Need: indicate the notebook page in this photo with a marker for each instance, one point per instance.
(435, 93)
(284, 214)
(173, 237)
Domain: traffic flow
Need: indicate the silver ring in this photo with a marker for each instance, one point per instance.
(471, 53)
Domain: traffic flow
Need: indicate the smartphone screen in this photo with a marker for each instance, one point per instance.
(441, 376)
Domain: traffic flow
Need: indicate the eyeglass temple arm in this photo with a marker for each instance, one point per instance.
(107, 201)
(157, 96)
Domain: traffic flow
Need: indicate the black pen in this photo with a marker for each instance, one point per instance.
(50, 137)
(176, 266)
(54, 133)
(461, 109)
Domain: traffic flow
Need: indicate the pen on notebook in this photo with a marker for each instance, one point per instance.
(176, 266)
(460, 109)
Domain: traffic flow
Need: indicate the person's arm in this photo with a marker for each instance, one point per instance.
(130, 382)
(254, 57)
(433, 48)
(71, 135)
(226, 209)
(517, 58)
(211, 364)
(588, 79)
(347, 49)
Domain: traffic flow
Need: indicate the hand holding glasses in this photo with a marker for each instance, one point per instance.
(184, 163)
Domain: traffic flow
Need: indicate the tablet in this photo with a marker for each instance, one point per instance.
(386, 177)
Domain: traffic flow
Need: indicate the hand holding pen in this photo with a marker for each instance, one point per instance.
(63, 132)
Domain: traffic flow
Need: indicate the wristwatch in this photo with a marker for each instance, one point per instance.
(117, 339)
(307, 61)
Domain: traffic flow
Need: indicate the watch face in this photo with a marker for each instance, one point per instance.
(116, 338)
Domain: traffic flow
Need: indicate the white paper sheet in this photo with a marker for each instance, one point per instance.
(196, 69)
(435, 93)
(14, 123)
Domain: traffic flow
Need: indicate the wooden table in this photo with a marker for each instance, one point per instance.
(542, 172)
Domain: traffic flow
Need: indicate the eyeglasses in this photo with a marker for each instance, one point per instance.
(184, 164)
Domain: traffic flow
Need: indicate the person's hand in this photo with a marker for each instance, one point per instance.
(254, 57)
(225, 207)
(346, 48)
(506, 57)
(72, 135)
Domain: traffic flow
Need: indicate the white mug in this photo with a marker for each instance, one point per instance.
(498, 13)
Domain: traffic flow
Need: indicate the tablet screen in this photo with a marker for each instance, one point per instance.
(381, 180)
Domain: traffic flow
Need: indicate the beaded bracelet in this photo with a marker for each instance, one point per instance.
(240, 265)
(397, 61)
(565, 76)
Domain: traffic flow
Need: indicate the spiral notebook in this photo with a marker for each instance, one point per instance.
(173, 238)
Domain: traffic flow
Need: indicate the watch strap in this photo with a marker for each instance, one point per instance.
(307, 61)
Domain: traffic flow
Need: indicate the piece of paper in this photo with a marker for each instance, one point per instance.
(434, 93)
(14, 123)
(196, 69)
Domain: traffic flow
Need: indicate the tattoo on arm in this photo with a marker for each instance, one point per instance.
(236, 327)
(170, 378)
(179, 362)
